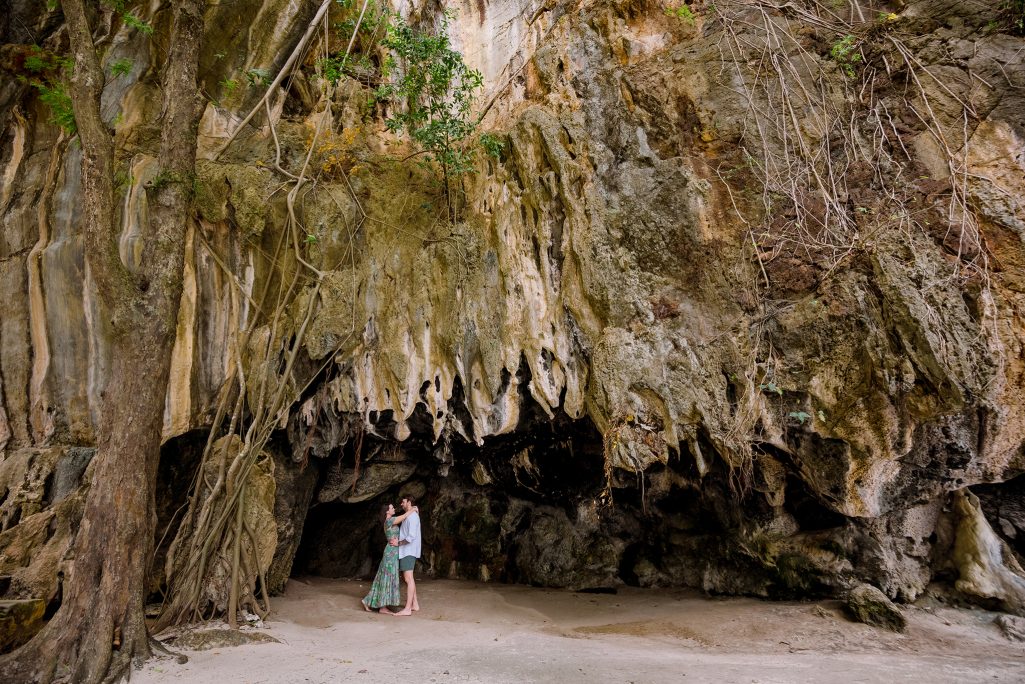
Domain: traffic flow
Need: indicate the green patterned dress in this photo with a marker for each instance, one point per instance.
(385, 589)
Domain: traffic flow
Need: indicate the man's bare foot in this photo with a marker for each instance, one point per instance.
(365, 606)
(407, 611)
(416, 606)
(384, 609)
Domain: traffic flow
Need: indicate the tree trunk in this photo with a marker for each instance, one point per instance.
(100, 627)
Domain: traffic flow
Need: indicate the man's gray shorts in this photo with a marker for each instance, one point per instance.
(407, 563)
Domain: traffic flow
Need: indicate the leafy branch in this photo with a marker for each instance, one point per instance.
(131, 19)
(48, 72)
(436, 91)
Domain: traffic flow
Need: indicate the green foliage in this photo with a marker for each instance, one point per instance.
(1013, 14)
(428, 87)
(360, 62)
(130, 18)
(49, 71)
(55, 96)
(799, 415)
(258, 77)
(771, 387)
(35, 63)
(682, 12)
(845, 53)
(137, 23)
(438, 91)
(229, 85)
(120, 67)
(492, 145)
(39, 61)
(373, 18)
(333, 68)
(355, 66)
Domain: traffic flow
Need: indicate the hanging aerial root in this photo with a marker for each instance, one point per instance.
(268, 346)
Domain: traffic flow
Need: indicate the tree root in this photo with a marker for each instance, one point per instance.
(210, 547)
(160, 650)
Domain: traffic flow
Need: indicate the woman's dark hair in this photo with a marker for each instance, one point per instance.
(384, 513)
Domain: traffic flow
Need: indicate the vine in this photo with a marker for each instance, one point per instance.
(212, 565)
(809, 138)
(857, 127)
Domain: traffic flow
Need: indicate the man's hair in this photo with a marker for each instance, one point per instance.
(410, 498)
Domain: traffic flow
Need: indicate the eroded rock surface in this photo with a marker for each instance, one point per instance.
(622, 313)
(19, 621)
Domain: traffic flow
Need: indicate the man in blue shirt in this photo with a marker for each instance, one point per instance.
(409, 551)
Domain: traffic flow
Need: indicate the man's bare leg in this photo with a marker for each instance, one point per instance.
(410, 594)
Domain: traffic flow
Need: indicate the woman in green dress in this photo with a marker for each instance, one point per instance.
(384, 591)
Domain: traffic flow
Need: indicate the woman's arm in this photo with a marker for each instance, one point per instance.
(399, 518)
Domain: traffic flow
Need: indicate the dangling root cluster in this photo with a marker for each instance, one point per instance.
(821, 123)
(213, 565)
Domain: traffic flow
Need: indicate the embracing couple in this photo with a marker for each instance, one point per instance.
(400, 554)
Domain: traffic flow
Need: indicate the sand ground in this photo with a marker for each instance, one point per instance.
(471, 632)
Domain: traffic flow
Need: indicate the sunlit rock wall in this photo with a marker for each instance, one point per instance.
(605, 250)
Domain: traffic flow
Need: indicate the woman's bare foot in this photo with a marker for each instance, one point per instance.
(384, 609)
(365, 606)
(407, 611)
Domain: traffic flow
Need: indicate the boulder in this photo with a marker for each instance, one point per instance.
(1012, 626)
(556, 552)
(987, 568)
(867, 604)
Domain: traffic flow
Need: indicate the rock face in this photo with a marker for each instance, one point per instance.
(41, 506)
(738, 307)
(19, 620)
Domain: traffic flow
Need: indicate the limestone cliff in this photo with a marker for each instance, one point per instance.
(754, 273)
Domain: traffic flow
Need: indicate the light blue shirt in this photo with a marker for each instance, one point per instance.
(409, 532)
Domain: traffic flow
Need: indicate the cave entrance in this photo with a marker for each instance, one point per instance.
(489, 512)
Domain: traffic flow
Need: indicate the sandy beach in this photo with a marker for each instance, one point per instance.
(472, 632)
